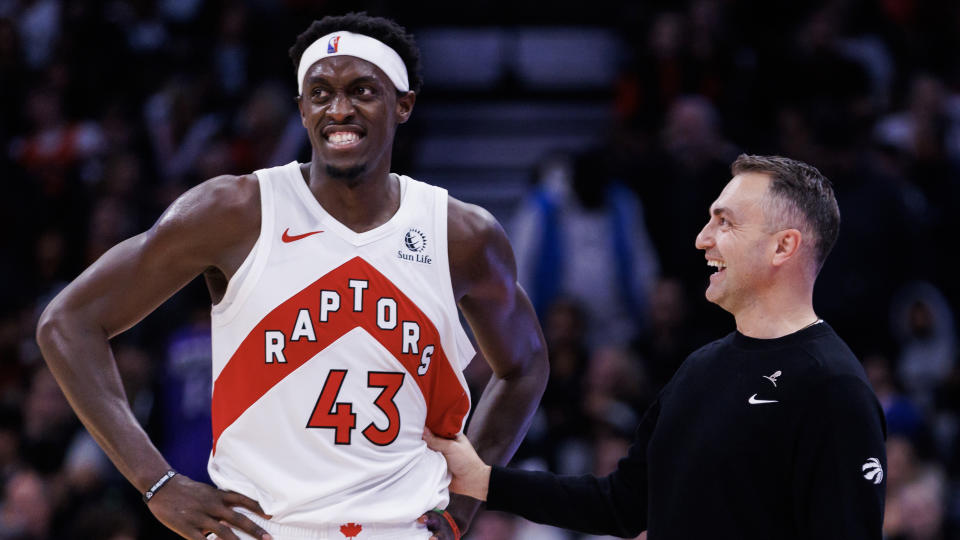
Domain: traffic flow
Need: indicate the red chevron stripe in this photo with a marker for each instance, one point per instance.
(246, 377)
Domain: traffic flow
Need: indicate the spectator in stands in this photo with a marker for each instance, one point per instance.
(179, 127)
(923, 323)
(268, 132)
(915, 494)
(54, 143)
(902, 414)
(26, 510)
(583, 236)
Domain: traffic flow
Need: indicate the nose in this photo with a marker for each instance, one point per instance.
(341, 107)
(704, 239)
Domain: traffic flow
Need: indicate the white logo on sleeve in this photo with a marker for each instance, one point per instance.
(872, 470)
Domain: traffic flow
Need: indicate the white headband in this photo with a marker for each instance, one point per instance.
(360, 46)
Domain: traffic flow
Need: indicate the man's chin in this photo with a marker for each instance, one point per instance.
(719, 299)
(712, 295)
(345, 173)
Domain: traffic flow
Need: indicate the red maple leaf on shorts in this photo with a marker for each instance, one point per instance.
(351, 530)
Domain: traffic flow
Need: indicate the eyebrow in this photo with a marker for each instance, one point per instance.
(366, 79)
(720, 210)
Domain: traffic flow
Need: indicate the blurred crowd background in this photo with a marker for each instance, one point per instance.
(597, 133)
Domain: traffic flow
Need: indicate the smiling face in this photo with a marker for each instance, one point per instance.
(351, 111)
(736, 242)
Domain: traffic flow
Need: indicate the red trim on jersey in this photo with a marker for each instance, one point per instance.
(247, 377)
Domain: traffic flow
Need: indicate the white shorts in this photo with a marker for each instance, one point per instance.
(359, 531)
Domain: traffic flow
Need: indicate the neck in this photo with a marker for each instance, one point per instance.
(776, 324)
(360, 203)
(772, 316)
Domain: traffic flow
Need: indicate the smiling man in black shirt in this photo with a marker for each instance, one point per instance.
(769, 433)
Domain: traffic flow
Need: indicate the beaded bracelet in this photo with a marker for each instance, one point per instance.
(449, 518)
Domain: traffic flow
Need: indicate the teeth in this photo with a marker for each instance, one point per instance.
(717, 264)
(343, 137)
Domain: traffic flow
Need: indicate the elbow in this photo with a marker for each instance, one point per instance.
(48, 327)
(537, 368)
(532, 363)
(51, 329)
(531, 369)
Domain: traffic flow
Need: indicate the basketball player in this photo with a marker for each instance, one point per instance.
(771, 432)
(336, 335)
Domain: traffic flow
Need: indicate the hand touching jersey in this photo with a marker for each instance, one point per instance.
(193, 509)
(470, 475)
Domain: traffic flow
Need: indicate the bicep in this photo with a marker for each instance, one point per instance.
(131, 280)
(498, 310)
(140, 273)
(208, 226)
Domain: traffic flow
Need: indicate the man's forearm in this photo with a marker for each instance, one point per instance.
(504, 413)
(500, 421)
(82, 362)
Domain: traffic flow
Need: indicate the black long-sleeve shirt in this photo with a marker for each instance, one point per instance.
(752, 439)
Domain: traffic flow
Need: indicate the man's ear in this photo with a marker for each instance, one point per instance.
(788, 245)
(405, 106)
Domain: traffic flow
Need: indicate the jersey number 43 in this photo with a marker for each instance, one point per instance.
(328, 413)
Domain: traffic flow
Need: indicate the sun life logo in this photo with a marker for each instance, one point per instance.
(873, 471)
(415, 242)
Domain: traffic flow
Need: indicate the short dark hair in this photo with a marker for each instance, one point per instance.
(389, 32)
(799, 197)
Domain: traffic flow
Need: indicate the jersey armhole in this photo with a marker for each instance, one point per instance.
(243, 281)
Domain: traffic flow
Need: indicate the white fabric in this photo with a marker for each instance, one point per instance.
(298, 473)
(359, 46)
(367, 531)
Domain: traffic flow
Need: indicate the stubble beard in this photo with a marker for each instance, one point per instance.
(348, 175)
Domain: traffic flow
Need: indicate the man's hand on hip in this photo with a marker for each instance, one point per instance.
(193, 510)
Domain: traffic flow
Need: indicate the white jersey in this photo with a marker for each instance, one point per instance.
(332, 350)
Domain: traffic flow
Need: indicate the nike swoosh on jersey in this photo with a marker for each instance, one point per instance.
(288, 238)
(754, 401)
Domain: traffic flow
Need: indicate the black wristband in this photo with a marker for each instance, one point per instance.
(156, 487)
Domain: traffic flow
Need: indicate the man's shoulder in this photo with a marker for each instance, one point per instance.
(830, 356)
(712, 348)
(469, 222)
(827, 364)
(472, 231)
(227, 203)
(232, 192)
(833, 387)
(705, 356)
(478, 247)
